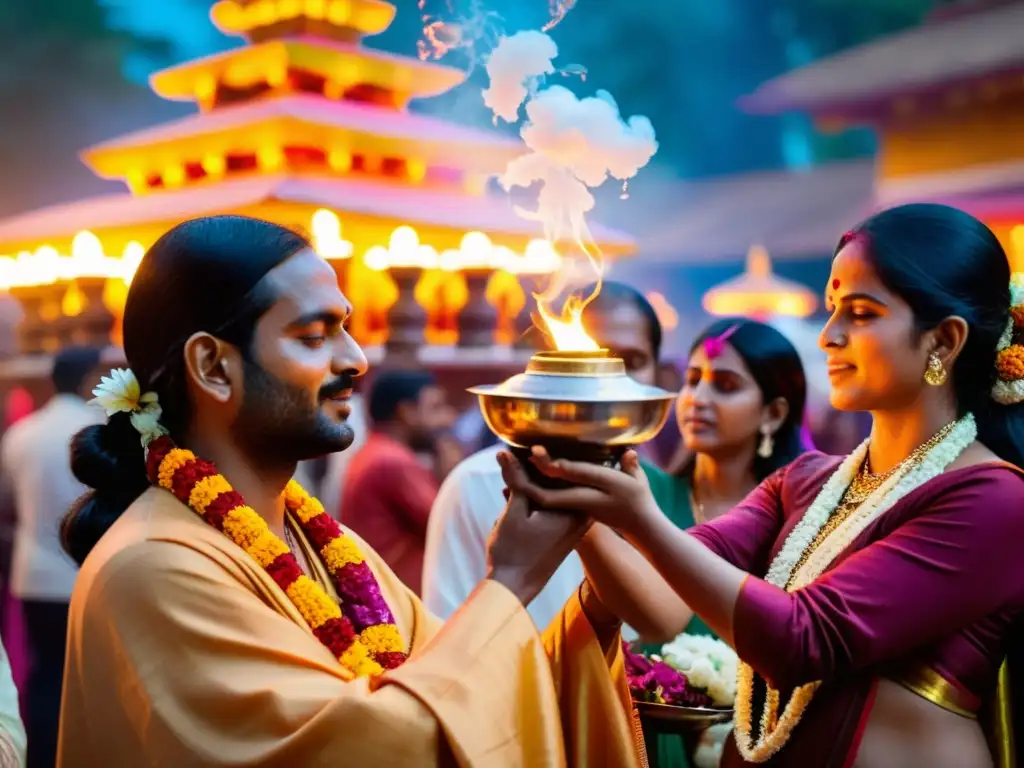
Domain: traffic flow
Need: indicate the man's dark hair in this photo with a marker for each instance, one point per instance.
(614, 294)
(392, 388)
(203, 275)
(70, 367)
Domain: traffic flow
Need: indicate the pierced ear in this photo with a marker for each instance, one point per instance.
(950, 336)
(775, 413)
(212, 366)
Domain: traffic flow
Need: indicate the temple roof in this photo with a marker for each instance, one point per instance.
(367, 17)
(433, 138)
(405, 204)
(794, 214)
(954, 50)
(346, 63)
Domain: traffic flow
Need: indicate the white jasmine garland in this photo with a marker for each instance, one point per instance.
(776, 727)
(932, 465)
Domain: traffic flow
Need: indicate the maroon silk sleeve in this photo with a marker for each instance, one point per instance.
(745, 534)
(955, 561)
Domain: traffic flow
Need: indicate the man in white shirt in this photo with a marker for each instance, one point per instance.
(470, 500)
(36, 461)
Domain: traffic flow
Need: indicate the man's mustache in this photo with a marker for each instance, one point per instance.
(342, 384)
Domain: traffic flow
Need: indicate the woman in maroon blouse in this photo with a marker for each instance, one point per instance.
(871, 598)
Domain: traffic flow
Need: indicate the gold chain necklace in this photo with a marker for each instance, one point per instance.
(865, 484)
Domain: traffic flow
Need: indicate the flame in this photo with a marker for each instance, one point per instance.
(566, 331)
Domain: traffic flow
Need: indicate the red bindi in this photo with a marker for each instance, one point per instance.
(835, 284)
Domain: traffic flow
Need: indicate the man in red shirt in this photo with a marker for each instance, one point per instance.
(388, 489)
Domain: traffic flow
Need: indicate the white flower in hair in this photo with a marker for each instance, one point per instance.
(120, 393)
(147, 424)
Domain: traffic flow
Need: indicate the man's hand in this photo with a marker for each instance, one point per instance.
(527, 546)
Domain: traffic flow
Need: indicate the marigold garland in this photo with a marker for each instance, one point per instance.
(361, 632)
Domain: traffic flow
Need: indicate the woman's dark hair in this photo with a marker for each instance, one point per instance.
(203, 275)
(778, 372)
(943, 262)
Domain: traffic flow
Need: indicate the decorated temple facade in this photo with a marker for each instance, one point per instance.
(305, 126)
(946, 101)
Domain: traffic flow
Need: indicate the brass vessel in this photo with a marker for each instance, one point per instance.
(578, 405)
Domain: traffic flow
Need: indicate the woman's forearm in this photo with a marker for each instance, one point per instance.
(630, 587)
(709, 585)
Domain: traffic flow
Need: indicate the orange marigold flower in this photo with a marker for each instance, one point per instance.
(206, 490)
(266, 548)
(243, 526)
(1010, 363)
(382, 638)
(340, 552)
(172, 462)
(294, 494)
(358, 659)
(1017, 313)
(313, 603)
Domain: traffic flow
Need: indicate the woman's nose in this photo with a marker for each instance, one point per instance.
(831, 335)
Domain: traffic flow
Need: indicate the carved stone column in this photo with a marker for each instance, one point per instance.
(96, 322)
(407, 320)
(32, 328)
(478, 319)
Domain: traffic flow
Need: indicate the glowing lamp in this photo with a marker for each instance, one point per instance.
(539, 258)
(316, 9)
(404, 251)
(289, 9)
(174, 176)
(416, 170)
(339, 160)
(214, 164)
(270, 158)
(758, 292)
(131, 258)
(339, 12)
(327, 239)
(476, 253)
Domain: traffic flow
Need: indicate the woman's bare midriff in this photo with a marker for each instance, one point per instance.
(905, 730)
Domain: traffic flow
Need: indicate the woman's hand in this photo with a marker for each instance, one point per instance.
(619, 498)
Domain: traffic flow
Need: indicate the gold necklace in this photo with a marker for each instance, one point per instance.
(865, 484)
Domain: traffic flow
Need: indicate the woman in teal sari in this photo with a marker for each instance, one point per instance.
(740, 413)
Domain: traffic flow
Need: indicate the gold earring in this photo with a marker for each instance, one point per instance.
(767, 446)
(935, 374)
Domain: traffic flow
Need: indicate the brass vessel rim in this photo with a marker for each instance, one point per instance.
(583, 364)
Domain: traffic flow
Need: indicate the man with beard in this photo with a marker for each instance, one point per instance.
(409, 416)
(221, 617)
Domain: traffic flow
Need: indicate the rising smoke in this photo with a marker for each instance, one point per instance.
(574, 144)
